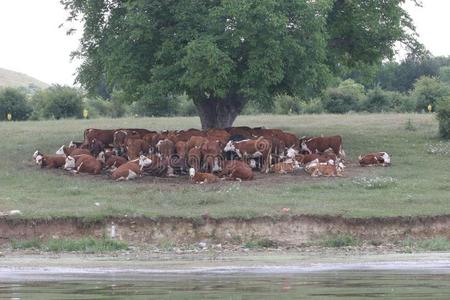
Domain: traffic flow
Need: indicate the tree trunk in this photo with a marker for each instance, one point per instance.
(219, 113)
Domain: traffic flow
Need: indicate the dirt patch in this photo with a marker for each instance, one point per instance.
(260, 179)
(285, 230)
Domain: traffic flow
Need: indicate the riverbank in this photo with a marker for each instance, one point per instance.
(264, 232)
(280, 262)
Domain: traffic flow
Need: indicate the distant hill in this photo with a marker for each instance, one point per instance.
(10, 78)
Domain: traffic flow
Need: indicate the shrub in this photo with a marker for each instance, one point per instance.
(186, 106)
(285, 104)
(377, 100)
(58, 102)
(98, 107)
(429, 90)
(344, 98)
(14, 101)
(443, 116)
(313, 106)
(402, 102)
(118, 106)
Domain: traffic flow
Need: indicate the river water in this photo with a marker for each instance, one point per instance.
(342, 281)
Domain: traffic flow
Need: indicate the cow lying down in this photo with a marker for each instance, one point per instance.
(201, 178)
(375, 159)
(49, 161)
(131, 169)
(316, 168)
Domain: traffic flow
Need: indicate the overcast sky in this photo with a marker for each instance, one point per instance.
(32, 43)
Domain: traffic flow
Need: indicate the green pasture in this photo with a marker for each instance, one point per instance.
(418, 183)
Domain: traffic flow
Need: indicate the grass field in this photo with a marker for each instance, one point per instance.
(418, 183)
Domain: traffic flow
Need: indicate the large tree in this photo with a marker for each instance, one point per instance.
(224, 53)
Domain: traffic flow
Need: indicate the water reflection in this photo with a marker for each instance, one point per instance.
(318, 285)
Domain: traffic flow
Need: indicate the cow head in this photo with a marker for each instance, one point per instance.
(291, 152)
(144, 162)
(305, 147)
(36, 153)
(101, 157)
(61, 150)
(39, 159)
(386, 158)
(229, 147)
(70, 163)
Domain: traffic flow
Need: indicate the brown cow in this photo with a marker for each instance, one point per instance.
(211, 153)
(131, 169)
(244, 131)
(49, 161)
(195, 141)
(236, 170)
(304, 159)
(135, 148)
(113, 161)
(202, 177)
(106, 136)
(72, 151)
(217, 134)
(83, 164)
(194, 158)
(166, 148)
(321, 144)
(259, 148)
(375, 159)
(316, 169)
(285, 167)
(180, 148)
(121, 137)
(184, 135)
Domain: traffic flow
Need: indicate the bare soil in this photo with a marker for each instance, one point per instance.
(287, 231)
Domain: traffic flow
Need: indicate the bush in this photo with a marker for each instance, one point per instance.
(429, 90)
(186, 106)
(344, 98)
(402, 103)
(443, 116)
(118, 107)
(58, 102)
(14, 101)
(377, 100)
(313, 106)
(98, 107)
(285, 104)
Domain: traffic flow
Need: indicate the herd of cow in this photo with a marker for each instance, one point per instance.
(207, 156)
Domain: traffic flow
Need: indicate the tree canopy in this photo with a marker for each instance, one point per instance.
(224, 53)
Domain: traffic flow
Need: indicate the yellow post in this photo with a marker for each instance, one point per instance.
(85, 113)
(430, 108)
(9, 116)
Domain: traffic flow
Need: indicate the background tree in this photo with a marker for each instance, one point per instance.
(429, 90)
(58, 102)
(225, 53)
(14, 101)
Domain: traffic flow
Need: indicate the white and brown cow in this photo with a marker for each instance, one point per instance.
(201, 178)
(131, 169)
(323, 143)
(329, 169)
(49, 161)
(247, 149)
(375, 159)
